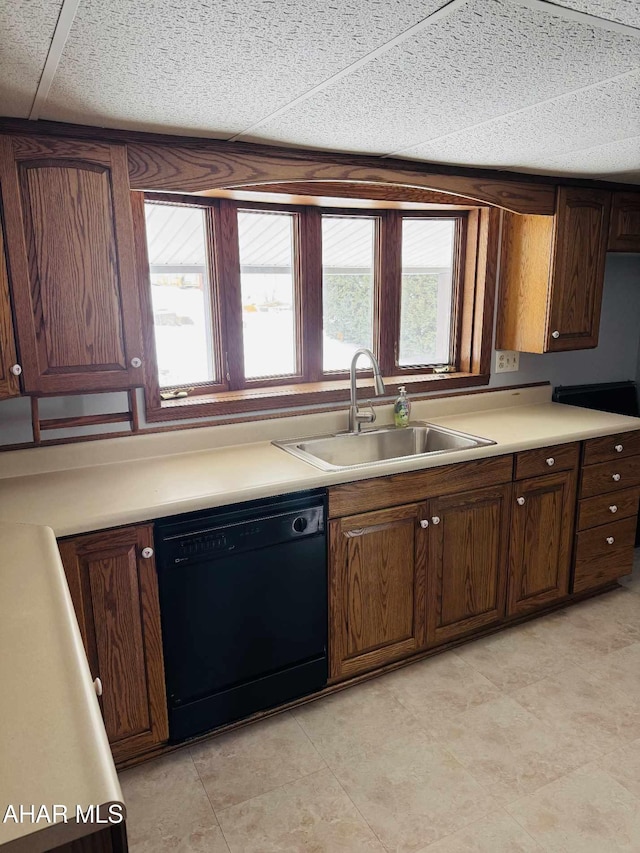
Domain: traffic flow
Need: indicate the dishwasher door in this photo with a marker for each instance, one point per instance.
(243, 598)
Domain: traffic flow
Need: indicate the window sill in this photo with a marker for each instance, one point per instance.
(241, 405)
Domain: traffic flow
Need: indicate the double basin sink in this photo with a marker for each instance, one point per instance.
(376, 446)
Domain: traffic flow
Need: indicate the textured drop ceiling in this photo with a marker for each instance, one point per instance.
(532, 85)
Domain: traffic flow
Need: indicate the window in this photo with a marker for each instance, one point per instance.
(259, 305)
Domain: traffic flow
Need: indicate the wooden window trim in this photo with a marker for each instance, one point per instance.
(478, 261)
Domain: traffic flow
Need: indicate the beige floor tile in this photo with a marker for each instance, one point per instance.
(618, 610)
(311, 815)
(514, 658)
(583, 701)
(584, 812)
(624, 766)
(412, 792)
(354, 720)
(250, 761)
(167, 806)
(436, 689)
(496, 833)
(510, 751)
(620, 670)
(209, 840)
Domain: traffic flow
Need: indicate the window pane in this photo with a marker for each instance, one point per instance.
(268, 301)
(426, 301)
(180, 294)
(347, 288)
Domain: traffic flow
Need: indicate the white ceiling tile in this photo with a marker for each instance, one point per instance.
(26, 30)
(594, 116)
(615, 161)
(622, 11)
(213, 66)
(489, 58)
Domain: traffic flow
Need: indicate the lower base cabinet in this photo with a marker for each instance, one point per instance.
(541, 540)
(113, 584)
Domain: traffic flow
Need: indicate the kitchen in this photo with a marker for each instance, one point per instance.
(436, 558)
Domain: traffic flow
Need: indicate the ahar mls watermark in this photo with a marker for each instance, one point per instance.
(111, 813)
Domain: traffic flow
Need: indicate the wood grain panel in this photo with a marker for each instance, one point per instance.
(541, 537)
(202, 165)
(582, 224)
(604, 449)
(534, 463)
(467, 562)
(624, 231)
(377, 589)
(597, 561)
(602, 478)
(9, 384)
(112, 839)
(381, 492)
(603, 509)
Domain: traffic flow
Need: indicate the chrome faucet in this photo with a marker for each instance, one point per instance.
(357, 418)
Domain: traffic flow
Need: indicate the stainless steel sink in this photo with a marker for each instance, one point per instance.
(374, 447)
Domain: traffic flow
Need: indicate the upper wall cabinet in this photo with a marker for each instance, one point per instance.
(624, 233)
(9, 369)
(552, 272)
(72, 266)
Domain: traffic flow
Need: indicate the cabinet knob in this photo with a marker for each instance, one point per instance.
(613, 508)
(424, 523)
(435, 519)
(610, 540)
(521, 501)
(615, 477)
(555, 334)
(551, 461)
(147, 553)
(618, 448)
(16, 369)
(97, 686)
(136, 362)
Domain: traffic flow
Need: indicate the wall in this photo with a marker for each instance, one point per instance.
(616, 358)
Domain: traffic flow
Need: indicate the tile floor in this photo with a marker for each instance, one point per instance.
(522, 742)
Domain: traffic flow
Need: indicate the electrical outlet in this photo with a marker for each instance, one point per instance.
(507, 361)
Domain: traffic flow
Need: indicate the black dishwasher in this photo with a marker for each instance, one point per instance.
(243, 601)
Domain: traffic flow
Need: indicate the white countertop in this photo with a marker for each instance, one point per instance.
(53, 746)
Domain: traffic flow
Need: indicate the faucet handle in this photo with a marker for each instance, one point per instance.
(367, 417)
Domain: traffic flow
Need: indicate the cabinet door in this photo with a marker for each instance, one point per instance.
(582, 222)
(467, 562)
(9, 383)
(70, 247)
(115, 594)
(377, 589)
(624, 233)
(541, 536)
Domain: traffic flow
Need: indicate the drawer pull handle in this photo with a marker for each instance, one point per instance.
(615, 477)
(610, 540)
(435, 519)
(618, 448)
(97, 686)
(147, 553)
(613, 508)
(551, 461)
(521, 501)
(555, 334)
(424, 523)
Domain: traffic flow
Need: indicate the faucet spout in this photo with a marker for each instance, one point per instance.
(356, 417)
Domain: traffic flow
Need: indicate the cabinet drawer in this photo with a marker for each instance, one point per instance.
(610, 447)
(610, 476)
(599, 561)
(544, 460)
(603, 509)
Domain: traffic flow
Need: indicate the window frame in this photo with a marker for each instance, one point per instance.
(475, 244)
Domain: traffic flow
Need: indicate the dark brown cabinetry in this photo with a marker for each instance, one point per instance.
(70, 249)
(376, 588)
(113, 585)
(466, 562)
(624, 232)
(9, 382)
(553, 273)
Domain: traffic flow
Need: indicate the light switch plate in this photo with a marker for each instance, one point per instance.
(507, 361)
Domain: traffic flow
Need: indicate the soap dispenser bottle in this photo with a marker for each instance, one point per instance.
(401, 408)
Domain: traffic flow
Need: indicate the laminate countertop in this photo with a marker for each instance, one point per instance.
(101, 484)
(53, 746)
